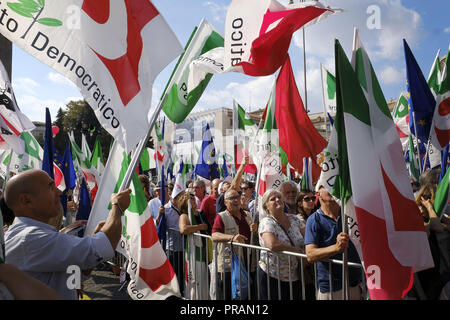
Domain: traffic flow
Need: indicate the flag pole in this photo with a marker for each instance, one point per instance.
(417, 141)
(7, 171)
(344, 255)
(324, 104)
(140, 147)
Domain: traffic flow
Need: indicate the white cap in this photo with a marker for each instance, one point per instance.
(178, 187)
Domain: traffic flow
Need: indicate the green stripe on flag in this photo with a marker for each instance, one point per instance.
(331, 86)
(350, 99)
(360, 72)
(179, 102)
(442, 194)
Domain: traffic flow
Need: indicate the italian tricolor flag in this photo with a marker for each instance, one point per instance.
(152, 276)
(401, 119)
(372, 173)
(440, 129)
(245, 131)
(180, 101)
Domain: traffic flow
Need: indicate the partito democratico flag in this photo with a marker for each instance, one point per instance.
(112, 51)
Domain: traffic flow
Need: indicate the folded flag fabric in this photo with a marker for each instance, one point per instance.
(113, 55)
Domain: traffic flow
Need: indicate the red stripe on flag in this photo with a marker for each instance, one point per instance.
(10, 126)
(400, 132)
(405, 212)
(149, 235)
(395, 280)
(443, 136)
(269, 50)
(239, 156)
(158, 277)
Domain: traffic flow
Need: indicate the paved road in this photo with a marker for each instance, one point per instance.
(104, 285)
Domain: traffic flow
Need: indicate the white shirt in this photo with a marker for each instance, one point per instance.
(45, 254)
(154, 205)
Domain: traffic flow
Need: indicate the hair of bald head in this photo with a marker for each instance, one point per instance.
(24, 182)
(215, 182)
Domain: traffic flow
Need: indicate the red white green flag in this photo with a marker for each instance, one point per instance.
(258, 34)
(152, 276)
(372, 172)
(289, 125)
(440, 129)
(435, 76)
(245, 131)
(401, 119)
(113, 53)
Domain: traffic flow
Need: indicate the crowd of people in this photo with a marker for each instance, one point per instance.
(307, 222)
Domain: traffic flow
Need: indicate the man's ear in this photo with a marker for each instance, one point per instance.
(24, 199)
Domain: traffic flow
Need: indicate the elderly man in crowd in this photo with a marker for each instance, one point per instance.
(199, 192)
(32, 243)
(289, 193)
(235, 225)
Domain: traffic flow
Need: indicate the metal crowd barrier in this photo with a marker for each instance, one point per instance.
(203, 279)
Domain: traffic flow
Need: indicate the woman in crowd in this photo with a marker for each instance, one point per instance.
(306, 205)
(431, 280)
(279, 231)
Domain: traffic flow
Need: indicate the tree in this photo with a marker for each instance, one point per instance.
(61, 139)
(80, 118)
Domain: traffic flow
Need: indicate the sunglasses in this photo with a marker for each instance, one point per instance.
(313, 198)
(244, 188)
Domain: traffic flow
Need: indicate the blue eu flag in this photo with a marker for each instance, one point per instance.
(420, 97)
(206, 165)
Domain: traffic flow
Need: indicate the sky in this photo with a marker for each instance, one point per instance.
(383, 24)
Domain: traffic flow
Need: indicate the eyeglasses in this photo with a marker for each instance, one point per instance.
(313, 198)
(233, 198)
(244, 188)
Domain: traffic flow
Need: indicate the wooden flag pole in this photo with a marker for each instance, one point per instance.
(344, 255)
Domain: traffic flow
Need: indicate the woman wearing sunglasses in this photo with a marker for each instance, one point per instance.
(306, 205)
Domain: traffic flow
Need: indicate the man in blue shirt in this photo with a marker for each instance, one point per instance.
(324, 240)
(34, 246)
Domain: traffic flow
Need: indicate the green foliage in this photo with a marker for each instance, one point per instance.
(80, 118)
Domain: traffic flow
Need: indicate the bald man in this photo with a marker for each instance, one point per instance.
(33, 245)
(209, 203)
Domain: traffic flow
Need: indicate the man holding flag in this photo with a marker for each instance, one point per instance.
(34, 246)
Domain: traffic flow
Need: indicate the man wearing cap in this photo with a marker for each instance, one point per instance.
(155, 203)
